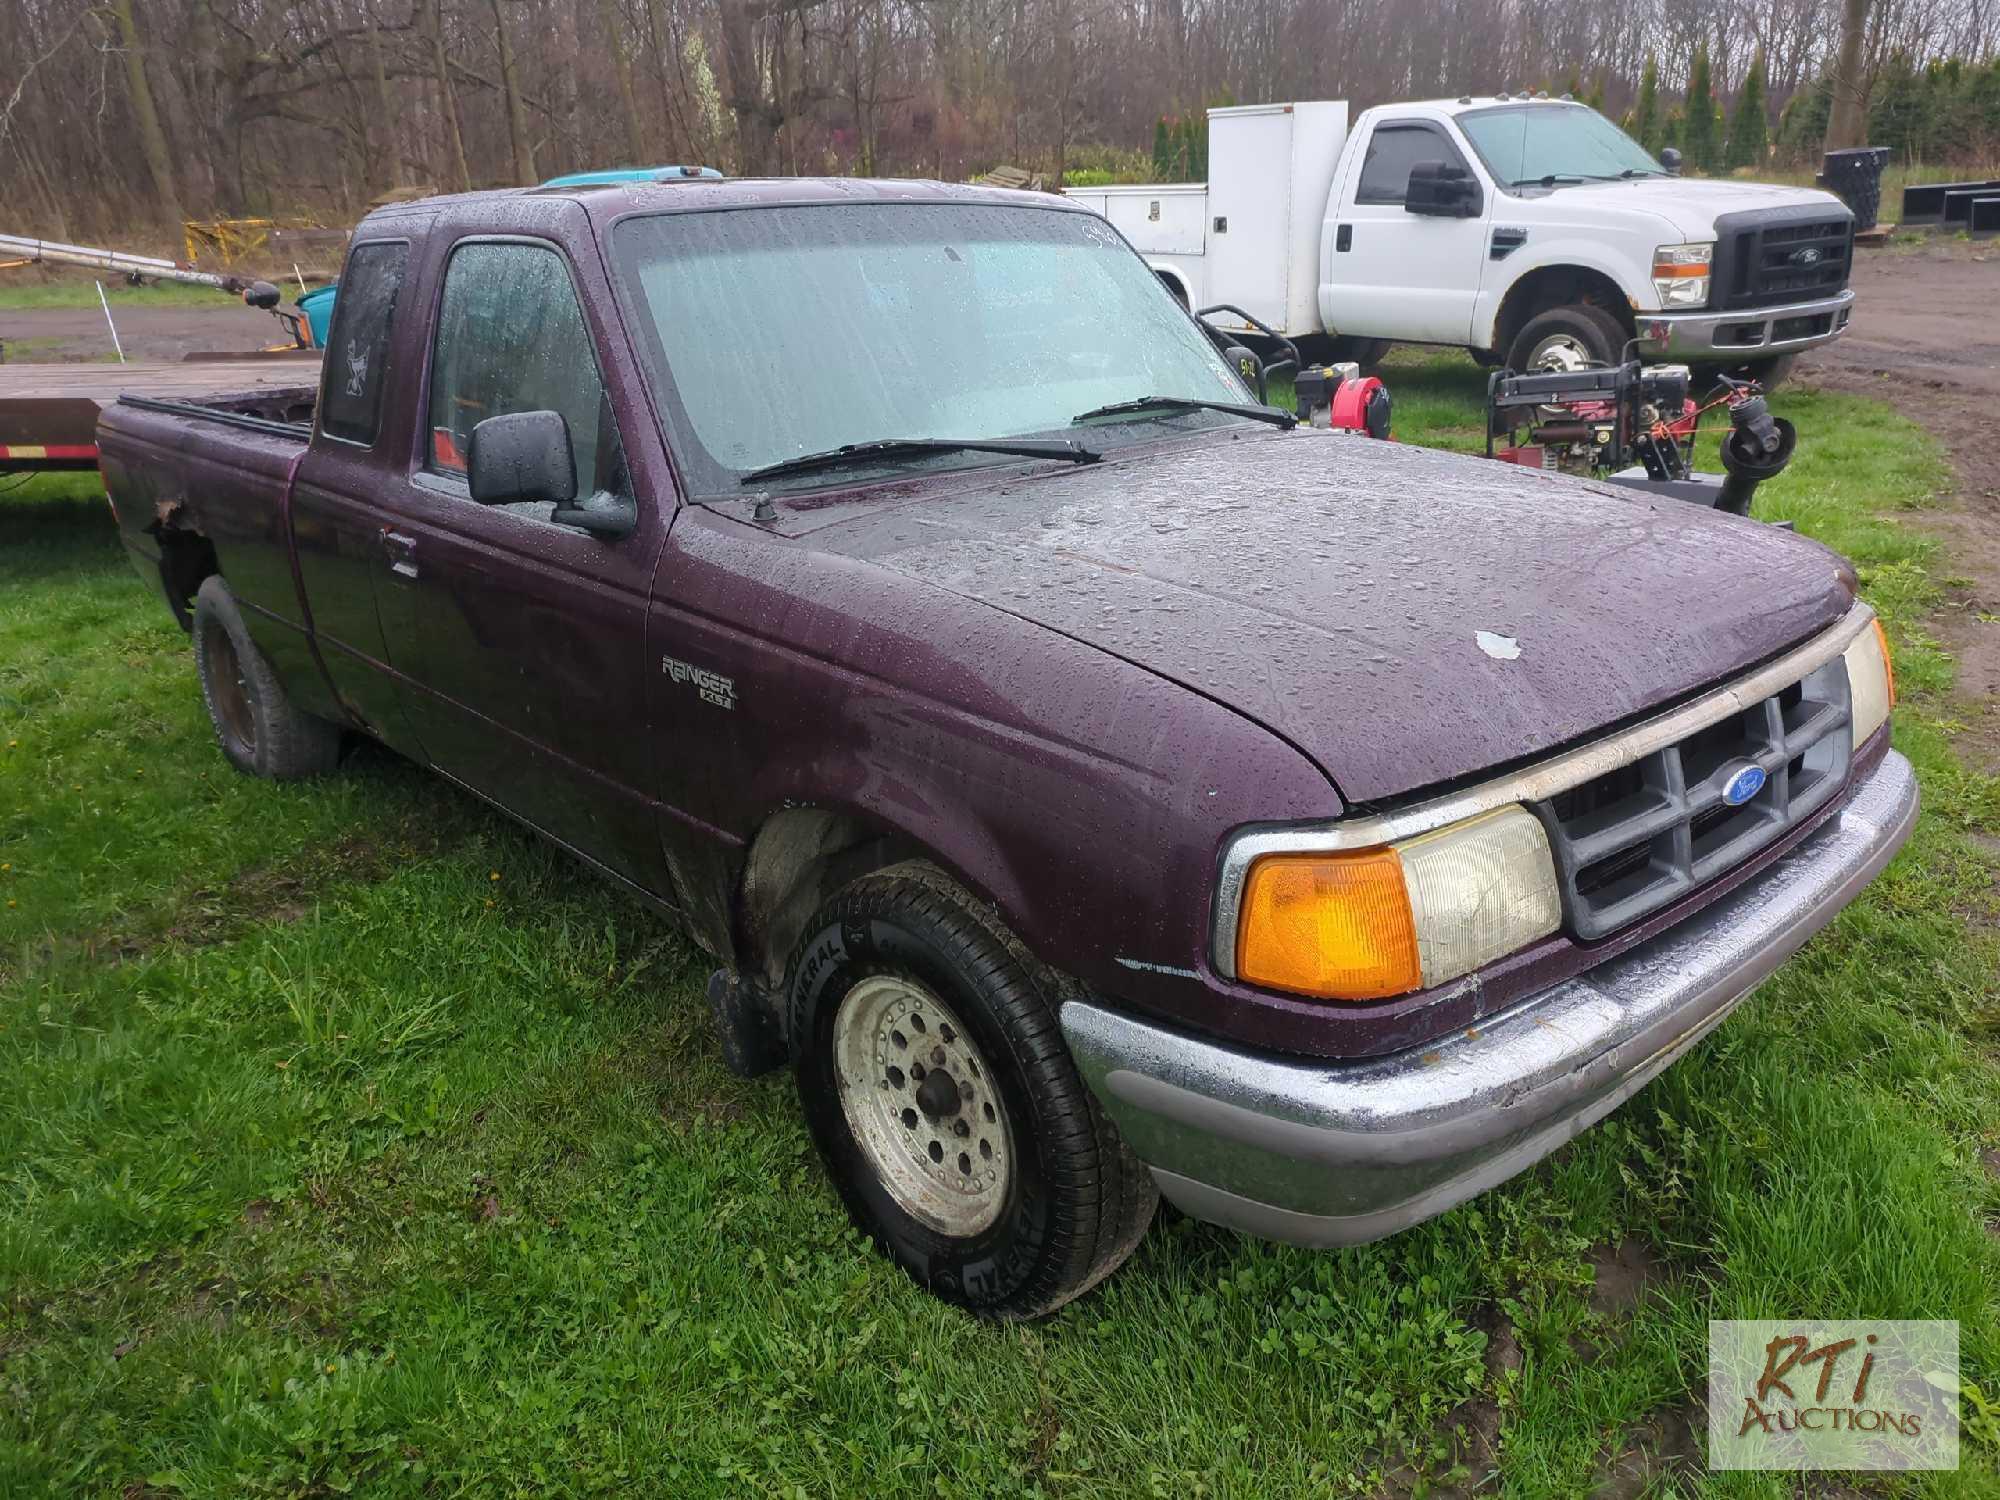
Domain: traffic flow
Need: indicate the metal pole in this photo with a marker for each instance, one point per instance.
(105, 303)
(115, 260)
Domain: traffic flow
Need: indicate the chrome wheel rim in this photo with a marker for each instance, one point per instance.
(920, 1102)
(1561, 353)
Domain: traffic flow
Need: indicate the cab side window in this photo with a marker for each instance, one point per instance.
(1393, 149)
(510, 338)
(357, 346)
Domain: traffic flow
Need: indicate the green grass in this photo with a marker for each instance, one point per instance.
(27, 287)
(352, 1140)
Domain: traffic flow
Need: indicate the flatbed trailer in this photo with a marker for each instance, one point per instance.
(48, 413)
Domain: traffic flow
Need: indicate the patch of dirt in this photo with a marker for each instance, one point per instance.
(1667, 1444)
(264, 895)
(1925, 340)
(1623, 1273)
(61, 335)
(252, 898)
(1471, 1432)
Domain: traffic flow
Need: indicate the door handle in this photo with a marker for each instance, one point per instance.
(1343, 236)
(402, 551)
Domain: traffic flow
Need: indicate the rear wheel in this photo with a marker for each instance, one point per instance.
(1575, 337)
(935, 1081)
(260, 730)
(1324, 349)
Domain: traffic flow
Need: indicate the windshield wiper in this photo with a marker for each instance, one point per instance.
(1564, 179)
(1276, 416)
(894, 448)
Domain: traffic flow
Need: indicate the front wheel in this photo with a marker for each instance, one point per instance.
(938, 1089)
(1770, 372)
(1576, 337)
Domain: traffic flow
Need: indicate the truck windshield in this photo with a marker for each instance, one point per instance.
(771, 333)
(1528, 143)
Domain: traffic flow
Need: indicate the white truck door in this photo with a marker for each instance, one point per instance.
(1392, 274)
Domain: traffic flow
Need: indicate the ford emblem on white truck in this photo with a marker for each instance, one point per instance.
(1743, 784)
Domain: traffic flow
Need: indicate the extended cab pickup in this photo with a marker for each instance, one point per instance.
(1531, 231)
(1092, 783)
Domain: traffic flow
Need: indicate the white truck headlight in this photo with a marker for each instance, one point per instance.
(1680, 274)
(1871, 682)
(1370, 923)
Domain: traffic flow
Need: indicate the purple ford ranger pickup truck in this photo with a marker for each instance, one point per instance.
(1094, 786)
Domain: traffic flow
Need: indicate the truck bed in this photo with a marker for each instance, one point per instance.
(189, 478)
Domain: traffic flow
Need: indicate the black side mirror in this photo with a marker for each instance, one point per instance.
(1670, 159)
(1442, 190)
(524, 455)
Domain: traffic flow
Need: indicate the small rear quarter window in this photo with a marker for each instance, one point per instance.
(357, 345)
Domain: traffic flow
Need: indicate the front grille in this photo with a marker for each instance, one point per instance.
(1638, 838)
(1770, 257)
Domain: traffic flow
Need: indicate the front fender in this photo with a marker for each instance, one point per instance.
(1568, 250)
(1085, 797)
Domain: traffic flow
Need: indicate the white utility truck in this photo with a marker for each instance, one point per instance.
(1532, 231)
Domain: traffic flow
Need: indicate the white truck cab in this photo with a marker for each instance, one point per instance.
(1529, 230)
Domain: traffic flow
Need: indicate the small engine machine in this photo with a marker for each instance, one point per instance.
(1339, 398)
(1635, 425)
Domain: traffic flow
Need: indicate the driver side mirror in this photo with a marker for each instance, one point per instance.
(527, 455)
(1670, 159)
(523, 455)
(1442, 190)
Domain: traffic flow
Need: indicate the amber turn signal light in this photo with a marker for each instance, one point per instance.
(1331, 925)
(1888, 661)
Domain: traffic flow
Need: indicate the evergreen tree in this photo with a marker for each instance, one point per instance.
(1749, 127)
(1698, 133)
(1646, 114)
(1596, 99)
(1163, 152)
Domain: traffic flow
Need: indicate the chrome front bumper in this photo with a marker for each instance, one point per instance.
(1323, 1153)
(1748, 334)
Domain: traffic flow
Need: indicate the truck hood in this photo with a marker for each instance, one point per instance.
(1692, 205)
(1403, 616)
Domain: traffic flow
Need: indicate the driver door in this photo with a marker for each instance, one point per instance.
(520, 645)
(1398, 275)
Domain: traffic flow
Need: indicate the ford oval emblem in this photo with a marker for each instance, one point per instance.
(1744, 783)
(1808, 256)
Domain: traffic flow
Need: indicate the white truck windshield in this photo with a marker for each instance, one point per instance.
(771, 333)
(1526, 144)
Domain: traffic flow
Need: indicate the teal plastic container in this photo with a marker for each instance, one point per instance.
(317, 305)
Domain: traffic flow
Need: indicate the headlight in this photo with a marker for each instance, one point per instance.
(1378, 922)
(1871, 682)
(1680, 274)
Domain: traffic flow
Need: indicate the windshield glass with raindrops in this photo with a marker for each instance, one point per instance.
(774, 332)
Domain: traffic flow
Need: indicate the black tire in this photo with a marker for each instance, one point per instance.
(1592, 335)
(1770, 372)
(259, 729)
(1075, 1201)
(1367, 353)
